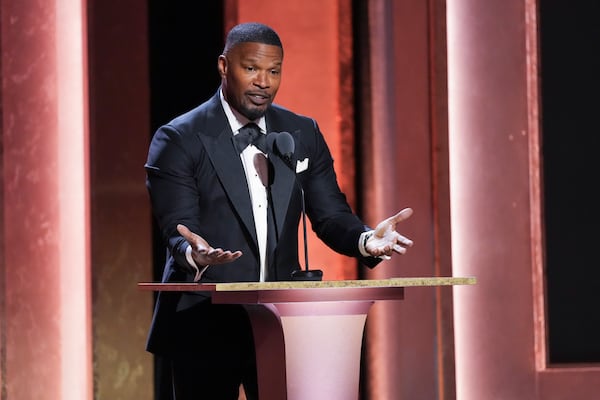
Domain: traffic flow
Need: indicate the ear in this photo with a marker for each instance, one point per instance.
(222, 65)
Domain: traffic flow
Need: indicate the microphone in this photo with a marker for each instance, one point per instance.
(283, 145)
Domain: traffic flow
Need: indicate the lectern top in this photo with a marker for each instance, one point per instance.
(363, 283)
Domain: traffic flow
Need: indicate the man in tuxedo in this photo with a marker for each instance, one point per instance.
(228, 209)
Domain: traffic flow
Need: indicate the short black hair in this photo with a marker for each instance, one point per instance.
(251, 32)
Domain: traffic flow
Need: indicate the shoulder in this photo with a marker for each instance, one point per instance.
(206, 120)
(199, 118)
(279, 116)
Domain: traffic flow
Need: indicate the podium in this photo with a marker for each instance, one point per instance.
(308, 335)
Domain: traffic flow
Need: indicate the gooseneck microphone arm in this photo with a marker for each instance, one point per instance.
(283, 145)
(305, 241)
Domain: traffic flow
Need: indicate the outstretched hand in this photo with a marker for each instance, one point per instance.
(385, 240)
(203, 253)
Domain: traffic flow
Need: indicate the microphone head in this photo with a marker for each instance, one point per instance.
(283, 144)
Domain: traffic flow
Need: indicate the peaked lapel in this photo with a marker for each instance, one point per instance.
(284, 178)
(220, 147)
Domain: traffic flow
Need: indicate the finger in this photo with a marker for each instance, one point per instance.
(225, 257)
(233, 255)
(399, 249)
(215, 253)
(196, 241)
(404, 240)
(390, 223)
(185, 232)
(401, 216)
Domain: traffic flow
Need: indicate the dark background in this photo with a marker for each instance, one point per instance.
(179, 83)
(570, 63)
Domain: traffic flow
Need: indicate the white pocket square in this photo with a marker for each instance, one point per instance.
(301, 165)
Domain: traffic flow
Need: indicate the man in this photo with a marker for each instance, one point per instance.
(230, 212)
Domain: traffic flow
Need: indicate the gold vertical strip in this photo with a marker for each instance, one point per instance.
(535, 183)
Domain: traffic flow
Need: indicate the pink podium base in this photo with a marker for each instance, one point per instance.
(320, 345)
(308, 335)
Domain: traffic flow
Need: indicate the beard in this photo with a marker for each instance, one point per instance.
(252, 113)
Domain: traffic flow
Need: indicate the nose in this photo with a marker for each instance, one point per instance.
(262, 79)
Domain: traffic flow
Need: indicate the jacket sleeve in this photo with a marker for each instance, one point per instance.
(170, 181)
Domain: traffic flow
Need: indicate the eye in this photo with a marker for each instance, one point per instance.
(249, 68)
(275, 72)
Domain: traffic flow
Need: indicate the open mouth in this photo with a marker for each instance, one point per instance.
(258, 99)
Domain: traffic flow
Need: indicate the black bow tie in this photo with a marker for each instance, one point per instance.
(250, 134)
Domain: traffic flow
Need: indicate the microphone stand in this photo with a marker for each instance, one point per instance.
(306, 274)
(283, 142)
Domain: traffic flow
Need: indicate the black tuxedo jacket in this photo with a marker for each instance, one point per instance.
(195, 177)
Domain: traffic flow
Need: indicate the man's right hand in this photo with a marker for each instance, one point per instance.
(203, 253)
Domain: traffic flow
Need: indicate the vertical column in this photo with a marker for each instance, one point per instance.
(402, 357)
(73, 198)
(120, 208)
(45, 219)
(491, 204)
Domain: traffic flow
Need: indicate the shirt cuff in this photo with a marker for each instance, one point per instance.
(362, 243)
(190, 260)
